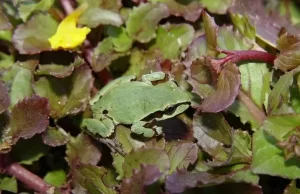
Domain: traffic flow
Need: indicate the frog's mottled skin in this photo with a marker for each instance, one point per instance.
(130, 102)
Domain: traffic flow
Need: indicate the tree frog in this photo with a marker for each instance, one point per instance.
(128, 101)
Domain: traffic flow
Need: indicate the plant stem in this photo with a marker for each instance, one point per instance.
(25, 176)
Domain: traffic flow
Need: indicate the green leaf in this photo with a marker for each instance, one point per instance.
(27, 7)
(212, 132)
(69, 95)
(242, 23)
(292, 188)
(227, 89)
(293, 11)
(82, 150)
(241, 147)
(173, 39)
(32, 37)
(149, 156)
(6, 61)
(56, 178)
(189, 9)
(279, 126)
(25, 153)
(34, 109)
(55, 137)
(143, 20)
(93, 17)
(113, 5)
(217, 6)
(57, 70)
(268, 158)
(255, 80)
(9, 184)
(90, 178)
(280, 95)
(147, 175)
(4, 22)
(120, 39)
(289, 57)
(182, 155)
(4, 97)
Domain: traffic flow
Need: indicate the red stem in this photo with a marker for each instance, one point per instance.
(22, 174)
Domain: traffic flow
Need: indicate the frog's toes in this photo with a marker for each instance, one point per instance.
(139, 128)
(95, 126)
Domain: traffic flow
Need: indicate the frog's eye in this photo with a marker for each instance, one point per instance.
(170, 110)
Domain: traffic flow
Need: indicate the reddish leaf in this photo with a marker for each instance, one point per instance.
(226, 90)
(81, 150)
(289, 57)
(147, 175)
(4, 98)
(28, 117)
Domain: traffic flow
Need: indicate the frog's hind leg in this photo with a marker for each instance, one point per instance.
(139, 128)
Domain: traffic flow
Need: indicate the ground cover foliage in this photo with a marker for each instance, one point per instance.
(237, 60)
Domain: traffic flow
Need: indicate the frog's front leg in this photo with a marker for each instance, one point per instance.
(156, 76)
(139, 128)
(104, 127)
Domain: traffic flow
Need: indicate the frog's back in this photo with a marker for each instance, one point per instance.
(133, 101)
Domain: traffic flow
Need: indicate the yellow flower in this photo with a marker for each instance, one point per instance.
(68, 36)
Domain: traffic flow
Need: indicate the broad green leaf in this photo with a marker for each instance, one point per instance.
(217, 6)
(211, 29)
(55, 136)
(255, 81)
(8, 184)
(241, 147)
(280, 95)
(189, 9)
(32, 37)
(143, 20)
(4, 97)
(227, 89)
(56, 178)
(6, 61)
(182, 155)
(30, 150)
(212, 132)
(93, 17)
(292, 10)
(268, 158)
(172, 39)
(27, 7)
(20, 81)
(4, 22)
(90, 178)
(289, 57)
(279, 126)
(34, 109)
(147, 175)
(82, 150)
(149, 156)
(113, 5)
(241, 22)
(58, 70)
(120, 39)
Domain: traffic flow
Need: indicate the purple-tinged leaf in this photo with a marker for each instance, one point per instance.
(32, 37)
(179, 181)
(4, 97)
(28, 117)
(211, 32)
(289, 57)
(227, 89)
(190, 10)
(82, 150)
(55, 137)
(197, 48)
(146, 175)
(149, 156)
(182, 155)
(143, 20)
(4, 22)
